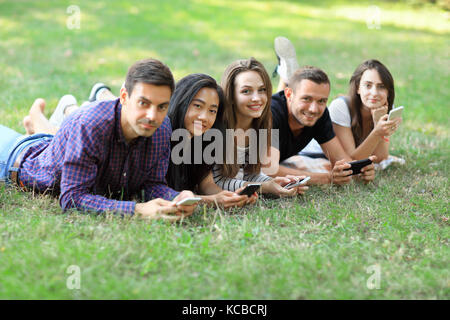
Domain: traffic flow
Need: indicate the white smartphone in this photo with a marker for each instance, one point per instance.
(188, 201)
(296, 184)
(395, 113)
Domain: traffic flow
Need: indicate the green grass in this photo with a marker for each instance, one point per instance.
(315, 247)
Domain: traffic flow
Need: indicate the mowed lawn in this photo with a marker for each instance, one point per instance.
(329, 244)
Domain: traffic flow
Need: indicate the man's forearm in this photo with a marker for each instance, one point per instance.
(89, 202)
(160, 190)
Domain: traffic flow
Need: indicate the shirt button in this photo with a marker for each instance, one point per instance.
(124, 174)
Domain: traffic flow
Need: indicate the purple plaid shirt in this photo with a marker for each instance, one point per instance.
(89, 161)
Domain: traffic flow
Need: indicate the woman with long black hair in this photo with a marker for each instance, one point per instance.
(197, 105)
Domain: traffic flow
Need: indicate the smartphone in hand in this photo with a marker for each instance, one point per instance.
(188, 201)
(395, 113)
(298, 183)
(356, 166)
(250, 189)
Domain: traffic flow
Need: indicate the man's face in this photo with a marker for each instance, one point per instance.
(144, 111)
(307, 102)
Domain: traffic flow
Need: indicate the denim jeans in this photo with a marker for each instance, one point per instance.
(12, 144)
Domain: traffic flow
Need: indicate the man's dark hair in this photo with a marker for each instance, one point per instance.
(308, 73)
(149, 71)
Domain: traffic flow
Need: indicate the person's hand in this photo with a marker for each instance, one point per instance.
(184, 210)
(396, 124)
(300, 189)
(368, 172)
(276, 187)
(229, 199)
(249, 200)
(157, 209)
(340, 174)
(252, 199)
(377, 113)
(385, 127)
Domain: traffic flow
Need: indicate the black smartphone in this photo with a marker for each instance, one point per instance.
(250, 189)
(357, 165)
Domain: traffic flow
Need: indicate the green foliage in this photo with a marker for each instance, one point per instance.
(315, 247)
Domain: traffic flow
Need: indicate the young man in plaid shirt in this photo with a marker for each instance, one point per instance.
(106, 153)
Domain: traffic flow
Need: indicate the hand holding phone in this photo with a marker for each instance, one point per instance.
(188, 201)
(356, 166)
(395, 113)
(296, 184)
(250, 189)
(378, 114)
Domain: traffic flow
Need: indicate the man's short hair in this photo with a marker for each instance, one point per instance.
(308, 73)
(149, 71)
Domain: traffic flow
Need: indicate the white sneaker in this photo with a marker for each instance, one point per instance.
(387, 162)
(287, 58)
(95, 90)
(58, 116)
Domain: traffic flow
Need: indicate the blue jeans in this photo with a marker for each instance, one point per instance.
(12, 144)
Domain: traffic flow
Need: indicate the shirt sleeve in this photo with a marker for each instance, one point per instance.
(79, 173)
(156, 186)
(256, 177)
(339, 113)
(230, 184)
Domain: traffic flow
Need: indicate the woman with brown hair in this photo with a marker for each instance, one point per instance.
(248, 90)
(360, 119)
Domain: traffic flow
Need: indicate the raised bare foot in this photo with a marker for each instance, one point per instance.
(38, 106)
(28, 125)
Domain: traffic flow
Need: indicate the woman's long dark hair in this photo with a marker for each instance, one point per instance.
(188, 176)
(355, 99)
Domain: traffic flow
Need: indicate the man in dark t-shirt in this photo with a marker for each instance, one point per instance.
(289, 144)
(300, 114)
